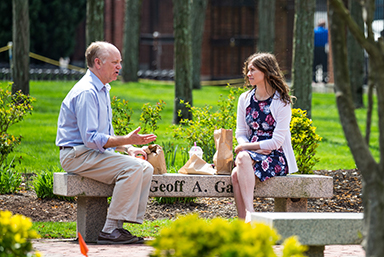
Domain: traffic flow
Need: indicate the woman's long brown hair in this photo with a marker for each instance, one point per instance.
(267, 63)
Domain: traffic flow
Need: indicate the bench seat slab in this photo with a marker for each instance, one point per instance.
(179, 185)
(315, 229)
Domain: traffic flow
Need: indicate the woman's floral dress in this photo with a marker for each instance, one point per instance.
(262, 124)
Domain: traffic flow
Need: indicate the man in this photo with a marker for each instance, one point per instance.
(87, 144)
(320, 53)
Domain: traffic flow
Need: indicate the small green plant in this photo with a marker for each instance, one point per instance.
(10, 179)
(189, 236)
(150, 115)
(13, 108)
(201, 128)
(304, 141)
(173, 153)
(16, 235)
(43, 184)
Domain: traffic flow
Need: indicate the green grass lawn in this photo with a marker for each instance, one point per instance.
(68, 229)
(333, 150)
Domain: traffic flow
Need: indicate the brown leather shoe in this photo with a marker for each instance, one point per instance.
(118, 236)
(140, 240)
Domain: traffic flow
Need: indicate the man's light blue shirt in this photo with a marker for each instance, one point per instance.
(85, 115)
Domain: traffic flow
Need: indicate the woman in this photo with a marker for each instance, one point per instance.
(262, 130)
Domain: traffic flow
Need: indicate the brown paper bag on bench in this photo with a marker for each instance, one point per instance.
(155, 156)
(223, 158)
(196, 165)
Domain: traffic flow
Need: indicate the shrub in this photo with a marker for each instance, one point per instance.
(201, 128)
(189, 236)
(122, 114)
(43, 184)
(121, 119)
(10, 179)
(149, 117)
(16, 235)
(304, 141)
(13, 108)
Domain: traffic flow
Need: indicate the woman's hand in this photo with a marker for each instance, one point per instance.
(239, 148)
(255, 147)
(263, 151)
(246, 146)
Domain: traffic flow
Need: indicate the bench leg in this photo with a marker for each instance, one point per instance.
(91, 216)
(290, 205)
(315, 251)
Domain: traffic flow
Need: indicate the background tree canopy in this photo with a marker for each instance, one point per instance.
(52, 26)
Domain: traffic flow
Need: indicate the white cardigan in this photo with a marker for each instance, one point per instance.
(282, 113)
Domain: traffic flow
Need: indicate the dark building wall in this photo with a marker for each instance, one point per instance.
(230, 34)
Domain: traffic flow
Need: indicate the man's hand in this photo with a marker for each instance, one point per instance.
(132, 138)
(140, 139)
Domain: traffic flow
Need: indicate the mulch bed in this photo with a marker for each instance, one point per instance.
(346, 190)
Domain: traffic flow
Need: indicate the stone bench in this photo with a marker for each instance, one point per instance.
(290, 193)
(315, 229)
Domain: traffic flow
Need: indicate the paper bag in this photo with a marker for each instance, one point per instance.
(196, 165)
(155, 156)
(223, 158)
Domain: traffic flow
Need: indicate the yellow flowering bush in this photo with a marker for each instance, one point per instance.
(13, 108)
(189, 236)
(16, 235)
(304, 141)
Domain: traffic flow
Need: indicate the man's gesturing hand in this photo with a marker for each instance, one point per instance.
(140, 139)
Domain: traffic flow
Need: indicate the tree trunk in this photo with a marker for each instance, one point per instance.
(368, 122)
(183, 59)
(266, 38)
(131, 40)
(198, 19)
(356, 56)
(20, 48)
(372, 172)
(303, 54)
(95, 21)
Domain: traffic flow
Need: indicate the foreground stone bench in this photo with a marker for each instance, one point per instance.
(290, 193)
(315, 229)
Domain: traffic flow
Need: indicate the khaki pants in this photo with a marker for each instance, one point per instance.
(131, 176)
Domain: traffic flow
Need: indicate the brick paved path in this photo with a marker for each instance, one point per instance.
(69, 247)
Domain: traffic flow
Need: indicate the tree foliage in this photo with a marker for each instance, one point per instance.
(52, 26)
